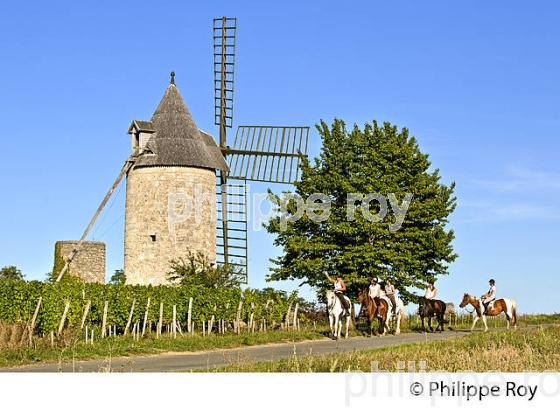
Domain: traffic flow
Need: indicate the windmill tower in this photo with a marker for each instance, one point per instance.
(179, 195)
(170, 192)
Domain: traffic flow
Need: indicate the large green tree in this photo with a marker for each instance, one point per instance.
(376, 160)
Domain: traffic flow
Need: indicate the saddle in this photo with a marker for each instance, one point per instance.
(488, 305)
(344, 301)
(389, 305)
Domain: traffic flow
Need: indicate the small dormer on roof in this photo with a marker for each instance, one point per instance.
(141, 131)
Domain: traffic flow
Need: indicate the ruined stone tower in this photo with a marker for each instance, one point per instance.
(170, 192)
(88, 264)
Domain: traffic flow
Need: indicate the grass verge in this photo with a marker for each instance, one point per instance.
(528, 349)
(126, 346)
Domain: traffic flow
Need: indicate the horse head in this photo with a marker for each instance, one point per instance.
(465, 301)
(363, 296)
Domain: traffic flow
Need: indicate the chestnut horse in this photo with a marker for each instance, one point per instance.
(504, 305)
(373, 308)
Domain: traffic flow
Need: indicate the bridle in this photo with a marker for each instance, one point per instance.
(468, 303)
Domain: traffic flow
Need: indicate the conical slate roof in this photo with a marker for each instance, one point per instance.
(177, 141)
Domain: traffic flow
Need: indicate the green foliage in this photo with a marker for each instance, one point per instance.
(58, 265)
(381, 160)
(11, 273)
(196, 270)
(18, 300)
(118, 278)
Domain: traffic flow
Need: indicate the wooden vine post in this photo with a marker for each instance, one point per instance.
(287, 321)
(33, 320)
(160, 322)
(174, 322)
(63, 319)
(145, 317)
(86, 312)
(130, 317)
(295, 317)
(211, 324)
(104, 323)
(189, 316)
(238, 317)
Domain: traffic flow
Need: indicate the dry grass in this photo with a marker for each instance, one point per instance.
(12, 335)
(68, 346)
(529, 349)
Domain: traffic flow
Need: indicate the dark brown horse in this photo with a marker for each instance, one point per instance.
(430, 308)
(374, 308)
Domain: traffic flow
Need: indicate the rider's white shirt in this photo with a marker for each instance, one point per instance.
(430, 294)
(337, 286)
(492, 292)
(375, 291)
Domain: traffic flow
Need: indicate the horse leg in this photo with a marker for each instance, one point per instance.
(474, 322)
(485, 324)
(347, 325)
(440, 323)
(339, 327)
(398, 326)
(381, 327)
(423, 324)
(430, 324)
(336, 320)
(331, 323)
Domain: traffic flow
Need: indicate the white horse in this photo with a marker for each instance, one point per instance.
(337, 313)
(397, 316)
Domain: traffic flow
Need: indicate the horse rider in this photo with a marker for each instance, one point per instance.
(339, 289)
(489, 296)
(376, 290)
(431, 291)
(390, 292)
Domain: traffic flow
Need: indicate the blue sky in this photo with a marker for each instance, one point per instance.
(475, 81)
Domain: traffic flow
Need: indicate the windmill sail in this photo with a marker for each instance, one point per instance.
(224, 60)
(232, 243)
(259, 153)
(267, 153)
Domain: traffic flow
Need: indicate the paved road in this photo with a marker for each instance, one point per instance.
(173, 362)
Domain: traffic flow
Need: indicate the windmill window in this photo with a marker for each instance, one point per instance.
(153, 237)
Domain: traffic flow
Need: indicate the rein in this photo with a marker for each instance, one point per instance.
(473, 309)
(470, 312)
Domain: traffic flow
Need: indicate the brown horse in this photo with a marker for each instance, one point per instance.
(374, 308)
(430, 308)
(504, 305)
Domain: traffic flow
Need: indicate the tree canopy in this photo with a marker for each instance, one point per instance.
(196, 270)
(11, 273)
(118, 278)
(373, 160)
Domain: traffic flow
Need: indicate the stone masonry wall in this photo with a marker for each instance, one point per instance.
(89, 262)
(169, 212)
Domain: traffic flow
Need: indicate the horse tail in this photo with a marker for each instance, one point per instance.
(444, 309)
(513, 312)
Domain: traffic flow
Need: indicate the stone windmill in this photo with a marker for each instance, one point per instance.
(179, 198)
